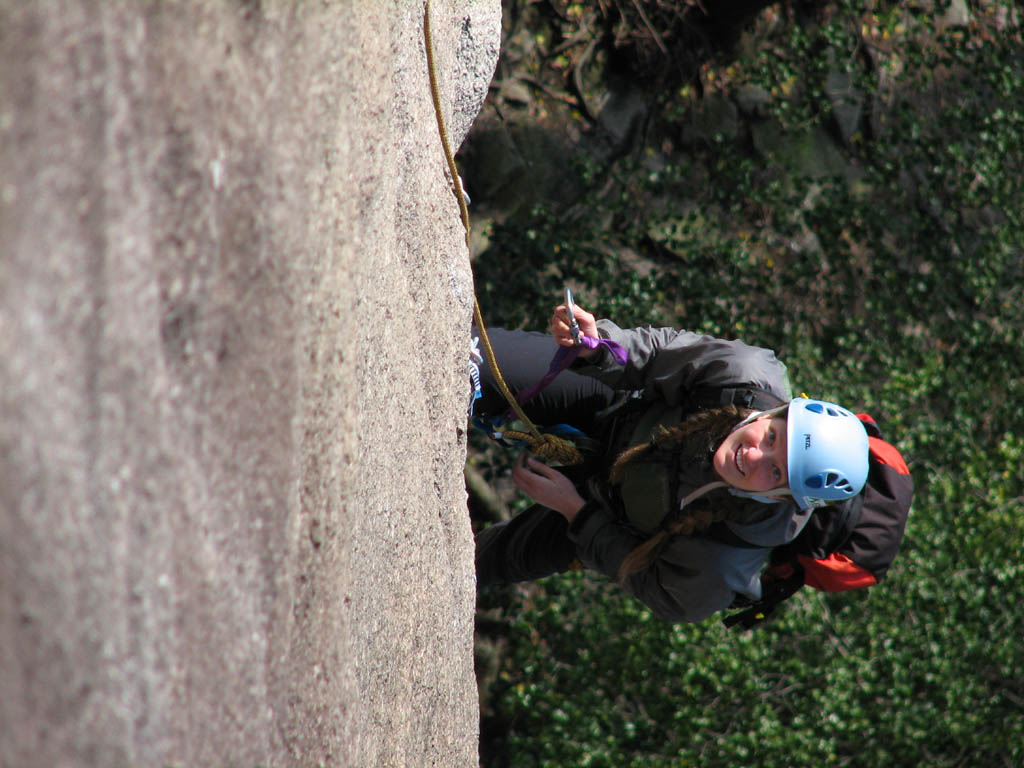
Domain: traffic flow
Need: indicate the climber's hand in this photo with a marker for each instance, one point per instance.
(563, 334)
(546, 486)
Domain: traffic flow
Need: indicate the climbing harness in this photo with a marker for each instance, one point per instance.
(546, 445)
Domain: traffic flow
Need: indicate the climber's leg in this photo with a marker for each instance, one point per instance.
(531, 545)
(523, 358)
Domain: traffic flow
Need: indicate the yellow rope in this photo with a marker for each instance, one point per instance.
(548, 446)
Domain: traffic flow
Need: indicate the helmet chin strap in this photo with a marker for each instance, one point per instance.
(765, 497)
(701, 491)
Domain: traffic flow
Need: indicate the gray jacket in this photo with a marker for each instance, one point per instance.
(694, 577)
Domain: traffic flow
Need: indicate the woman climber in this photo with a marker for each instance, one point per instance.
(697, 463)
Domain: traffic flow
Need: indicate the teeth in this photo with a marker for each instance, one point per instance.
(739, 466)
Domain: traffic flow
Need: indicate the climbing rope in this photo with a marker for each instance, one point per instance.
(547, 446)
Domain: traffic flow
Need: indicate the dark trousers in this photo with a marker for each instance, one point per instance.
(531, 545)
(534, 543)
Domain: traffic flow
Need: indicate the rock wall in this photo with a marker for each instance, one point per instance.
(234, 312)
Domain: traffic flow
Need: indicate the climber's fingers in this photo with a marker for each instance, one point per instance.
(561, 330)
(545, 485)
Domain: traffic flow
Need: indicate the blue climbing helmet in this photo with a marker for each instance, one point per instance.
(827, 453)
(827, 449)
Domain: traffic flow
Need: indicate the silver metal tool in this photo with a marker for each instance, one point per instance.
(574, 327)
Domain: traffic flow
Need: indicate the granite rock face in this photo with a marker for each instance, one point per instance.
(235, 301)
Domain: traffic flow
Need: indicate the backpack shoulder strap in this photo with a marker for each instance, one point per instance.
(777, 584)
(776, 588)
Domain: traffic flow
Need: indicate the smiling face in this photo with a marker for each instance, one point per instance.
(753, 457)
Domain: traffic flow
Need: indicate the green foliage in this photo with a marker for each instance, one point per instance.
(896, 285)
